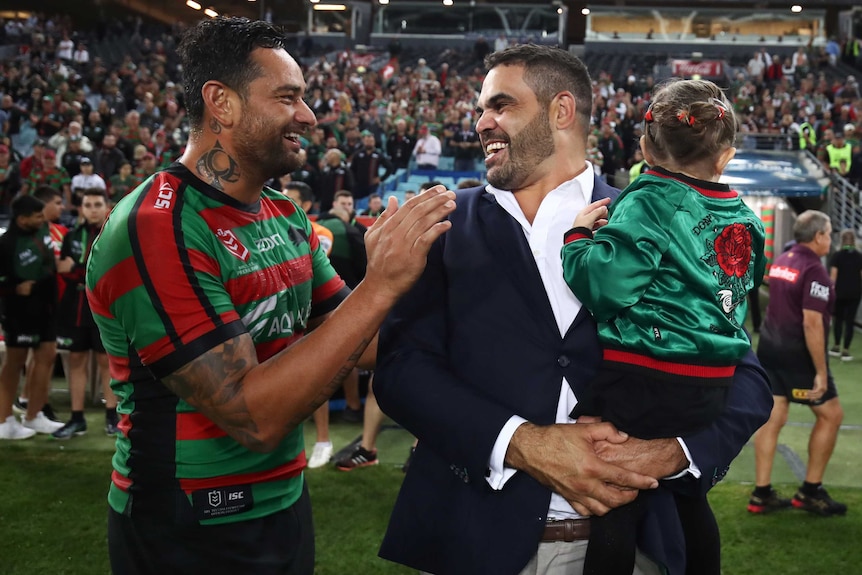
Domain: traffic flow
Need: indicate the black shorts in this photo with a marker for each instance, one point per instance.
(80, 339)
(795, 384)
(791, 371)
(278, 544)
(31, 332)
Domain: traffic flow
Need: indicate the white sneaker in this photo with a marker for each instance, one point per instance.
(320, 456)
(41, 424)
(11, 429)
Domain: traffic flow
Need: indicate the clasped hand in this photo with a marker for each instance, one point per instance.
(593, 466)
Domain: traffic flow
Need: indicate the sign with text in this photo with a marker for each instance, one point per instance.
(703, 68)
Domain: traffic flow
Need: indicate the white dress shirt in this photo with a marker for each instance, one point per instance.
(545, 237)
(427, 150)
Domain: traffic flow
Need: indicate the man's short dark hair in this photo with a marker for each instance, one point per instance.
(46, 193)
(305, 193)
(548, 71)
(26, 206)
(220, 49)
(342, 194)
(95, 192)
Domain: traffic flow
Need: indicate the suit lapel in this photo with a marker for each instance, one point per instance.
(506, 241)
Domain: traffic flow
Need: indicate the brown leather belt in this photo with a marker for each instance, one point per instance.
(567, 530)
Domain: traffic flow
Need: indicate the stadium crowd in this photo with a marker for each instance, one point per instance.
(73, 120)
(61, 104)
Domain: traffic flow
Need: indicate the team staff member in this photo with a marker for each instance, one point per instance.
(77, 331)
(203, 284)
(28, 289)
(365, 165)
(792, 349)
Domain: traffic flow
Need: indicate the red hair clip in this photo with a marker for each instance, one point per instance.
(722, 107)
(685, 118)
(648, 116)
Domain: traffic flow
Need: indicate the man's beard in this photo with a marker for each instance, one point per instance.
(260, 147)
(531, 146)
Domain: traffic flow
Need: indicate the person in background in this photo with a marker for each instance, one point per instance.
(334, 176)
(399, 145)
(638, 165)
(465, 141)
(375, 206)
(365, 165)
(302, 196)
(123, 182)
(845, 271)
(10, 179)
(792, 348)
(77, 331)
(348, 258)
(86, 180)
(28, 289)
(50, 174)
(427, 150)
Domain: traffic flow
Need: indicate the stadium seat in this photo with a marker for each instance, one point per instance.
(399, 195)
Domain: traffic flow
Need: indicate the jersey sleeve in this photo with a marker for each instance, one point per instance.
(151, 275)
(611, 271)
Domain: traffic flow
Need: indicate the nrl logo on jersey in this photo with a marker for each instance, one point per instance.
(232, 243)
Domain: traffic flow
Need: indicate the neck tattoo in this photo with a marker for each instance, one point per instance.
(217, 166)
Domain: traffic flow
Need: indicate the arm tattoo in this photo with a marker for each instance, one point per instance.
(331, 387)
(215, 126)
(212, 383)
(217, 166)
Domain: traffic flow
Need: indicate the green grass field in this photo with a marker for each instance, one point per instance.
(52, 501)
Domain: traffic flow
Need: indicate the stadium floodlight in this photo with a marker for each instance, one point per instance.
(796, 8)
(210, 12)
(330, 7)
(585, 11)
(383, 2)
(193, 4)
(448, 2)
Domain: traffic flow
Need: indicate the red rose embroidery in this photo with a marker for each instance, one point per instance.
(733, 250)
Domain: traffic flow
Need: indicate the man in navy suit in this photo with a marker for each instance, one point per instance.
(484, 358)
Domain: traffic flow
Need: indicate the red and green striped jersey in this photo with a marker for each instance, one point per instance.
(179, 268)
(56, 178)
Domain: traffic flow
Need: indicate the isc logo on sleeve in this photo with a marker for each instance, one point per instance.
(165, 197)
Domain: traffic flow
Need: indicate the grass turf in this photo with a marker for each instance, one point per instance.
(52, 501)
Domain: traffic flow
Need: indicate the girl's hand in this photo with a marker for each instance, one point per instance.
(593, 216)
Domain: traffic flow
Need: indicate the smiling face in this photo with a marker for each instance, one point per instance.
(513, 127)
(274, 116)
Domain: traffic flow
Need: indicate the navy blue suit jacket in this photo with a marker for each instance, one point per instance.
(475, 342)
